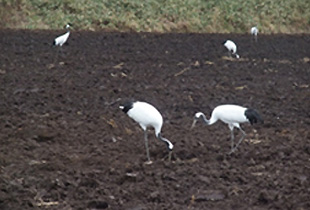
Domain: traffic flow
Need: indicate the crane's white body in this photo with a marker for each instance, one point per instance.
(231, 47)
(229, 114)
(147, 116)
(232, 115)
(254, 31)
(61, 40)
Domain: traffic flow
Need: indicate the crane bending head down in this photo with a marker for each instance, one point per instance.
(232, 115)
(146, 115)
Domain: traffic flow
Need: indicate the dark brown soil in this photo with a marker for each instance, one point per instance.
(65, 144)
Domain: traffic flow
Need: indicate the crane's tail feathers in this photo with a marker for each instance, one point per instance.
(253, 116)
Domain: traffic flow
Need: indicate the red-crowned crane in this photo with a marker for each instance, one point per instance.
(254, 32)
(147, 116)
(60, 40)
(231, 47)
(232, 115)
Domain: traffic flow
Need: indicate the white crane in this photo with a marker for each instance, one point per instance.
(231, 47)
(147, 116)
(231, 115)
(60, 40)
(254, 32)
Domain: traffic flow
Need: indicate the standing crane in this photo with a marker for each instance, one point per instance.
(62, 39)
(232, 115)
(147, 116)
(254, 32)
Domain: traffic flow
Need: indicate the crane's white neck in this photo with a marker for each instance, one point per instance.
(203, 116)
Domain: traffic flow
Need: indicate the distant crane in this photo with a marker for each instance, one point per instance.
(60, 40)
(147, 116)
(231, 47)
(231, 115)
(254, 32)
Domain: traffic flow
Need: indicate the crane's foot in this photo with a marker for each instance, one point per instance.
(232, 151)
(149, 162)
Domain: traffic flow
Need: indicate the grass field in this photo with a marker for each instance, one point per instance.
(205, 16)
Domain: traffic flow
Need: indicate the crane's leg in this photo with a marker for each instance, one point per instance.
(56, 56)
(147, 147)
(169, 156)
(241, 139)
(232, 142)
(232, 138)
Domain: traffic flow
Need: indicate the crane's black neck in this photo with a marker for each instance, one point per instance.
(127, 106)
(169, 144)
(204, 118)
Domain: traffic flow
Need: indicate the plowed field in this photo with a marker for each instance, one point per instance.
(65, 144)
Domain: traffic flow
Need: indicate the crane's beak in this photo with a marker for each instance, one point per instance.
(194, 123)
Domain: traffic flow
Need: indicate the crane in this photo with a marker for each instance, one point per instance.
(232, 115)
(254, 32)
(231, 47)
(146, 115)
(60, 40)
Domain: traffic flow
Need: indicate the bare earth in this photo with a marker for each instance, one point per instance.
(65, 144)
